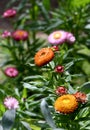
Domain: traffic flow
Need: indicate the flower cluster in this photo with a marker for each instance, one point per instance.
(59, 37)
(68, 103)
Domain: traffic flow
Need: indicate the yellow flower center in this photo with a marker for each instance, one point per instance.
(20, 33)
(57, 35)
(66, 101)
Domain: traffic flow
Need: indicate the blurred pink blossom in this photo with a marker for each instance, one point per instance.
(57, 37)
(20, 35)
(70, 37)
(11, 103)
(9, 13)
(6, 34)
(11, 72)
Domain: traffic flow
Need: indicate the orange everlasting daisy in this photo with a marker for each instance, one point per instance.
(43, 56)
(66, 104)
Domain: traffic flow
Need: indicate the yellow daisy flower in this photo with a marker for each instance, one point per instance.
(66, 104)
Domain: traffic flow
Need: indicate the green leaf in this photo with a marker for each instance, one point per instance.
(78, 3)
(26, 125)
(8, 119)
(85, 87)
(1, 128)
(46, 113)
(29, 86)
(58, 129)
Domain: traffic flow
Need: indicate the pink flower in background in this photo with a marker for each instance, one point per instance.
(9, 13)
(6, 34)
(11, 72)
(70, 37)
(57, 37)
(11, 103)
(20, 35)
(59, 69)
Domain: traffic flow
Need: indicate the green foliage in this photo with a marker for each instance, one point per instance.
(35, 87)
(77, 3)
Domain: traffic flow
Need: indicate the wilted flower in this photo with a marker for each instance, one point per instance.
(11, 103)
(59, 69)
(6, 34)
(70, 37)
(66, 104)
(11, 72)
(55, 48)
(57, 37)
(43, 56)
(9, 13)
(61, 90)
(20, 35)
(81, 97)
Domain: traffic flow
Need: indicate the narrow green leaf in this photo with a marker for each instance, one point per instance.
(8, 119)
(26, 125)
(46, 113)
(1, 128)
(85, 87)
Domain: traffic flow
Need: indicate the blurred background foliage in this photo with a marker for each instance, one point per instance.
(40, 18)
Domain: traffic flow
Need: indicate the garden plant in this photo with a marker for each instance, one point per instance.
(45, 66)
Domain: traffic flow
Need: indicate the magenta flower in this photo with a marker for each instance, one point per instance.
(9, 13)
(59, 69)
(70, 38)
(6, 34)
(11, 72)
(20, 35)
(11, 103)
(57, 37)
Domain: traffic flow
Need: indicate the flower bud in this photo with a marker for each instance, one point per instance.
(61, 90)
(59, 69)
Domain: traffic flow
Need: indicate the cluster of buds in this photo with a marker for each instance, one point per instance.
(81, 97)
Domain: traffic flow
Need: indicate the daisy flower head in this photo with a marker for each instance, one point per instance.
(11, 103)
(66, 104)
(43, 56)
(9, 13)
(20, 35)
(57, 37)
(11, 72)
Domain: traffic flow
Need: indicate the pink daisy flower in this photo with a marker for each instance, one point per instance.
(9, 13)
(57, 37)
(11, 72)
(11, 103)
(70, 37)
(6, 34)
(20, 35)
